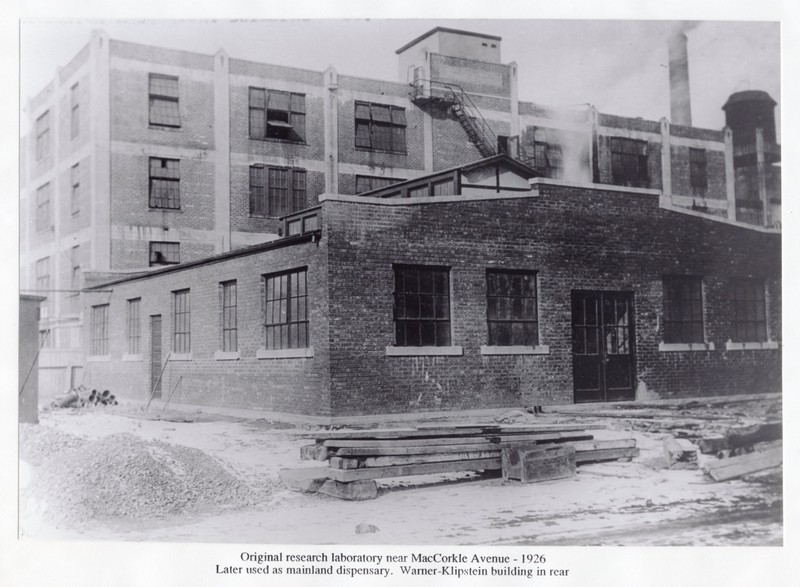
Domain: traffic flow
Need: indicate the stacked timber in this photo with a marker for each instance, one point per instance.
(357, 457)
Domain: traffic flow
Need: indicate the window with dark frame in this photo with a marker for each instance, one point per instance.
(75, 192)
(380, 127)
(99, 343)
(164, 253)
(229, 318)
(134, 326)
(165, 183)
(43, 220)
(164, 109)
(698, 177)
(43, 275)
(683, 310)
(511, 313)
(276, 191)
(43, 136)
(749, 323)
(367, 183)
(421, 305)
(277, 115)
(547, 156)
(75, 112)
(629, 162)
(182, 322)
(286, 310)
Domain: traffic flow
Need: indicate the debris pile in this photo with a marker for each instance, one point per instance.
(81, 397)
(37, 442)
(123, 476)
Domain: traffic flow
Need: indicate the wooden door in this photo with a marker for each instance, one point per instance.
(155, 356)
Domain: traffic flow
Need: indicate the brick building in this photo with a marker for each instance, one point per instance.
(140, 158)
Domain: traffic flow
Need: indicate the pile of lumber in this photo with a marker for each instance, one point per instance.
(743, 450)
(357, 457)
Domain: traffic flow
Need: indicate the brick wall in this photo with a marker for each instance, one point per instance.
(297, 385)
(575, 239)
(715, 172)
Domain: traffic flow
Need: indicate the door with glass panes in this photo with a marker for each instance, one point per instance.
(603, 355)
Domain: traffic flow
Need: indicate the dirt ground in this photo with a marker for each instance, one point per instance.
(613, 503)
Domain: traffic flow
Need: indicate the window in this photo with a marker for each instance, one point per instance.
(43, 136)
(749, 311)
(43, 275)
(421, 306)
(43, 207)
(511, 308)
(75, 113)
(134, 326)
(181, 324)
(99, 323)
(164, 253)
(75, 194)
(229, 327)
(697, 171)
(380, 127)
(75, 266)
(277, 115)
(367, 183)
(629, 162)
(164, 109)
(276, 191)
(547, 154)
(683, 310)
(165, 183)
(286, 310)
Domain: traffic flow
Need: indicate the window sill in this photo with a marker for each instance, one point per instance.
(226, 356)
(751, 346)
(371, 150)
(98, 359)
(676, 347)
(131, 358)
(305, 353)
(424, 351)
(273, 140)
(180, 357)
(539, 349)
(158, 209)
(167, 127)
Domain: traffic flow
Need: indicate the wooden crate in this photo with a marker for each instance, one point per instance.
(539, 463)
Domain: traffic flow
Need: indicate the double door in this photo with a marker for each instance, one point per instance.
(603, 337)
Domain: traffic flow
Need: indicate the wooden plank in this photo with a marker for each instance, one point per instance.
(733, 467)
(354, 491)
(680, 453)
(542, 463)
(587, 445)
(506, 429)
(488, 438)
(591, 456)
(408, 470)
(431, 458)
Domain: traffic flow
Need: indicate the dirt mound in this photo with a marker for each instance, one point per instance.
(37, 442)
(123, 476)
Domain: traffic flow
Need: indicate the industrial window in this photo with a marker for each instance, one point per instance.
(547, 156)
(165, 183)
(286, 310)
(277, 115)
(367, 183)
(182, 322)
(443, 188)
(134, 326)
(683, 310)
(43, 207)
(380, 127)
(75, 112)
(43, 136)
(276, 191)
(698, 177)
(164, 109)
(75, 192)
(749, 311)
(164, 253)
(421, 305)
(629, 162)
(229, 325)
(43, 275)
(511, 308)
(99, 343)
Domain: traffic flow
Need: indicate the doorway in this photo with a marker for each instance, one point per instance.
(155, 356)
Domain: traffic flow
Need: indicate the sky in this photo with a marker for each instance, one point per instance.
(620, 66)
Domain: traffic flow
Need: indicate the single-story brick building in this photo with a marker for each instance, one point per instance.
(482, 286)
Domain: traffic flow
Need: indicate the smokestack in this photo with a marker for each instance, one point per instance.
(679, 102)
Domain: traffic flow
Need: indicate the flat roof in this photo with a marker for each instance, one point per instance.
(441, 29)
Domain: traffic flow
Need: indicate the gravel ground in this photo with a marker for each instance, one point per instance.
(122, 476)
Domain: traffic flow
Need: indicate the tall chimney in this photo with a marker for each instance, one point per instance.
(679, 102)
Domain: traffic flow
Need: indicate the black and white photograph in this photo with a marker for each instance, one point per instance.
(358, 299)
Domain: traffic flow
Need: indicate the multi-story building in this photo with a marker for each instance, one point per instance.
(140, 157)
